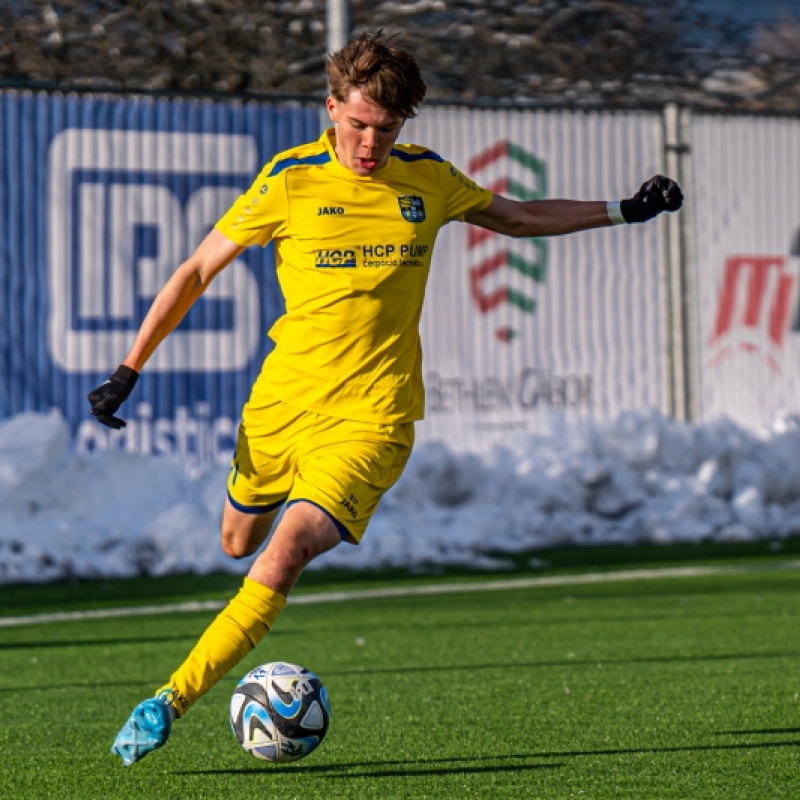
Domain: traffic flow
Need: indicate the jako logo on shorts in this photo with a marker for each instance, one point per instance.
(124, 209)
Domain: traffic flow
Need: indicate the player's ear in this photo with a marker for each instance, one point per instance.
(332, 107)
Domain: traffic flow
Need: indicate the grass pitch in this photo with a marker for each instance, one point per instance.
(681, 688)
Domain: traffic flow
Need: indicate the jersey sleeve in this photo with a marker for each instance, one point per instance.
(260, 214)
(462, 195)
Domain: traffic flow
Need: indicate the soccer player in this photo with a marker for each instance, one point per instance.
(329, 424)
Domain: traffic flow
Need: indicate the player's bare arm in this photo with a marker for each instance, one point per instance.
(556, 217)
(179, 294)
(540, 217)
(170, 306)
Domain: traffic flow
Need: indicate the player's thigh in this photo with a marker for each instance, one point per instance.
(260, 477)
(348, 469)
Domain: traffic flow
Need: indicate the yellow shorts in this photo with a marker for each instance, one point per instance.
(286, 454)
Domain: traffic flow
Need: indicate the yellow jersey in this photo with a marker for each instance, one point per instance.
(352, 255)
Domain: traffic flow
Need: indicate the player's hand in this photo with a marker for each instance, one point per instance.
(111, 394)
(656, 195)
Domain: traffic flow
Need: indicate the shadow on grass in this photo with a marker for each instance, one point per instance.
(396, 769)
(412, 768)
(307, 631)
(38, 689)
(572, 662)
(503, 665)
(41, 645)
(766, 731)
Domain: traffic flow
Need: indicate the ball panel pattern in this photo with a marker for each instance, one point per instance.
(280, 712)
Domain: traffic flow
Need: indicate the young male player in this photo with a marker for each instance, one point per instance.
(329, 424)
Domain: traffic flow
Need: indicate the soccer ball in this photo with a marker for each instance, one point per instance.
(280, 712)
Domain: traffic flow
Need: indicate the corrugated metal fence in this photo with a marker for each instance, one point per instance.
(102, 196)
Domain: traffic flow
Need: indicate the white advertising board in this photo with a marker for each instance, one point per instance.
(519, 332)
(746, 200)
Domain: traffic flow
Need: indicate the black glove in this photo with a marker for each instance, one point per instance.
(110, 395)
(656, 195)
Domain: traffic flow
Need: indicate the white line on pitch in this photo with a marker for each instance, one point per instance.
(405, 591)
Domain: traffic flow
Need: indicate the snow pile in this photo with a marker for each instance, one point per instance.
(641, 479)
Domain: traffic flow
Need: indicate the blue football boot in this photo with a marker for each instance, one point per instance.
(146, 730)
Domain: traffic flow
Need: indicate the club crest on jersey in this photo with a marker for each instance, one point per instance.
(412, 208)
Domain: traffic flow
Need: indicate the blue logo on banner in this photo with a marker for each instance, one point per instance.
(129, 207)
(106, 198)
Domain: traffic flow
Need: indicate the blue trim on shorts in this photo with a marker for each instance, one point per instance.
(343, 532)
(255, 509)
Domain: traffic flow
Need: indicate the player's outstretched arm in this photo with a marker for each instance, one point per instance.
(170, 306)
(556, 217)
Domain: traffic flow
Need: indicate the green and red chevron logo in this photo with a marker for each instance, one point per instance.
(506, 169)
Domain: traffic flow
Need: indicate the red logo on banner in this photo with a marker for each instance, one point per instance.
(753, 304)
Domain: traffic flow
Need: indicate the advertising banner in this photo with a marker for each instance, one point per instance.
(747, 245)
(102, 197)
(517, 332)
(100, 200)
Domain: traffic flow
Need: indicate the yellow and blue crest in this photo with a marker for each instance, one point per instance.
(412, 208)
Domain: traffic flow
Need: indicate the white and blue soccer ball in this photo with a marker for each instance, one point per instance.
(280, 712)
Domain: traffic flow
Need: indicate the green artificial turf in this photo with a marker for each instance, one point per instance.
(681, 688)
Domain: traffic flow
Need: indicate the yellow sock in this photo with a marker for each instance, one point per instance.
(228, 639)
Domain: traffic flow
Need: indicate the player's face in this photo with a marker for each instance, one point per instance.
(365, 133)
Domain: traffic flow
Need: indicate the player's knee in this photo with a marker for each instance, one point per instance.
(299, 556)
(236, 546)
(290, 562)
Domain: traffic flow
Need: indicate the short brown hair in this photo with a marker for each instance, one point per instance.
(387, 75)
